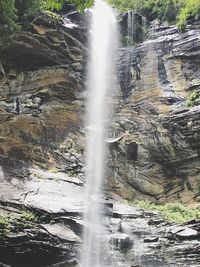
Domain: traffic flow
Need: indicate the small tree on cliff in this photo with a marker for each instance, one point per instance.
(191, 9)
(57, 4)
(8, 17)
(26, 6)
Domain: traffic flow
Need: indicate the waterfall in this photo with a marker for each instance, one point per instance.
(103, 44)
(130, 26)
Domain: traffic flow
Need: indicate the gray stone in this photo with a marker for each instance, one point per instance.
(122, 210)
(151, 239)
(121, 241)
(187, 233)
(12, 73)
(2, 72)
(61, 231)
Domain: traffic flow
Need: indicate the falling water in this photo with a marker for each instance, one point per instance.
(100, 84)
(130, 26)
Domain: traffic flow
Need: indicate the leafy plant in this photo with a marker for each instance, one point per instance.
(191, 8)
(29, 216)
(54, 16)
(165, 10)
(52, 4)
(58, 4)
(27, 6)
(8, 17)
(26, 220)
(4, 225)
(192, 98)
(174, 212)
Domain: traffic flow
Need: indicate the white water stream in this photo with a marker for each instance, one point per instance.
(101, 72)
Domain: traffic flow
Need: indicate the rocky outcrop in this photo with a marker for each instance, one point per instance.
(39, 97)
(42, 142)
(47, 41)
(154, 151)
(150, 241)
(157, 154)
(135, 237)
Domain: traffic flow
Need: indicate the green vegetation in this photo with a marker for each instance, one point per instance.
(165, 10)
(4, 225)
(26, 220)
(173, 212)
(152, 9)
(13, 222)
(191, 8)
(193, 99)
(57, 4)
(54, 16)
(27, 6)
(11, 11)
(8, 17)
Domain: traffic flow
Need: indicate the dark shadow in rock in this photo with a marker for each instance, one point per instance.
(35, 255)
(14, 168)
(132, 151)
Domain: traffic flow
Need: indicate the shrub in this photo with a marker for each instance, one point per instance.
(174, 212)
(191, 101)
(8, 18)
(58, 4)
(27, 6)
(4, 225)
(191, 8)
(27, 219)
(164, 10)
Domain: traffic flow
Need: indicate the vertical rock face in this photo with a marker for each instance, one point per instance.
(154, 153)
(159, 112)
(41, 142)
(39, 95)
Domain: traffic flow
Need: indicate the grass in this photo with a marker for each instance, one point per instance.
(173, 212)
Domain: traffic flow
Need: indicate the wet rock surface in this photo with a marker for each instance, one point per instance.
(42, 141)
(134, 239)
(156, 126)
(41, 113)
(154, 152)
(42, 220)
(156, 244)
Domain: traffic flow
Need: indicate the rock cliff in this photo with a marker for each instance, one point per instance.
(153, 152)
(42, 140)
(156, 152)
